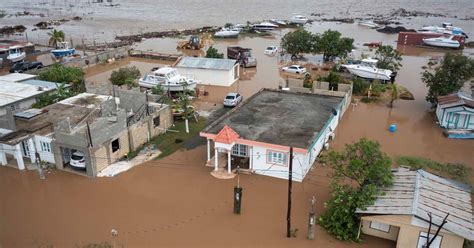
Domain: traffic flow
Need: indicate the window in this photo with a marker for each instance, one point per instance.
(115, 145)
(239, 150)
(422, 240)
(156, 121)
(276, 157)
(380, 226)
(45, 146)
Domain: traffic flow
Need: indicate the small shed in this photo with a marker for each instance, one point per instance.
(209, 71)
(402, 211)
(456, 111)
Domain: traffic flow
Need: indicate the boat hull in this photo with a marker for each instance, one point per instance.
(16, 57)
(369, 73)
(442, 44)
(59, 53)
(167, 87)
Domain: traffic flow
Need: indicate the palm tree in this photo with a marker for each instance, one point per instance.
(55, 37)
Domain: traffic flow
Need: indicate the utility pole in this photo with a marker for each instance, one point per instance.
(312, 220)
(237, 194)
(290, 181)
(38, 163)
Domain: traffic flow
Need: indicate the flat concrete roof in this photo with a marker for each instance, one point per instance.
(279, 117)
(11, 92)
(16, 77)
(206, 63)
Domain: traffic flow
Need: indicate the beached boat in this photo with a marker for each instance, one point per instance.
(367, 69)
(369, 23)
(63, 50)
(299, 19)
(446, 28)
(279, 22)
(15, 54)
(442, 42)
(227, 33)
(168, 78)
(265, 26)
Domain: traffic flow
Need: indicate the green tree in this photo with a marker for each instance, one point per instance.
(184, 104)
(55, 36)
(62, 92)
(449, 77)
(358, 173)
(214, 53)
(63, 74)
(388, 58)
(297, 42)
(125, 76)
(158, 90)
(332, 45)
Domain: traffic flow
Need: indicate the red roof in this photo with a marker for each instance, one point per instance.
(226, 135)
(455, 98)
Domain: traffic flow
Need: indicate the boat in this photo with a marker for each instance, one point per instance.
(299, 19)
(279, 22)
(15, 54)
(369, 23)
(442, 42)
(367, 69)
(63, 50)
(168, 78)
(227, 33)
(265, 26)
(446, 28)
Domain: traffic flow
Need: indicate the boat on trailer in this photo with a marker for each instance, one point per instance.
(63, 50)
(169, 79)
(15, 54)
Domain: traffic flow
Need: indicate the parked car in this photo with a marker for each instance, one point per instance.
(271, 50)
(25, 66)
(77, 160)
(232, 99)
(298, 69)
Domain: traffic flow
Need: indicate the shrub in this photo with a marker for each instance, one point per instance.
(125, 76)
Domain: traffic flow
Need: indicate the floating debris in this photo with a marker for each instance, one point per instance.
(12, 29)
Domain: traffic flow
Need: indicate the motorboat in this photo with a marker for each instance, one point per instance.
(265, 26)
(63, 50)
(442, 42)
(446, 28)
(299, 19)
(227, 33)
(279, 22)
(367, 69)
(168, 78)
(369, 23)
(15, 54)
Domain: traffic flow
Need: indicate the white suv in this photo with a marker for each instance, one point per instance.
(78, 160)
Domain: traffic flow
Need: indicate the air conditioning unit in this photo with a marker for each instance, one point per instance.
(326, 146)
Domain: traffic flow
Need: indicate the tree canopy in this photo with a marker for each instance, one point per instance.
(63, 74)
(214, 53)
(332, 45)
(449, 77)
(388, 58)
(358, 173)
(125, 76)
(296, 42)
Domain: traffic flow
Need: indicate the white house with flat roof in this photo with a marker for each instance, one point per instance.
(21, 95)
(16, 77)
(209, 71)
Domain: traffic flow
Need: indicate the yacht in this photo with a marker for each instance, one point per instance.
(63, 50)
(227, 33)
(367, 69)
(265, 26)
(442, 42)
(15, 54)
(369, 23)
(168, 78)
(299, 19)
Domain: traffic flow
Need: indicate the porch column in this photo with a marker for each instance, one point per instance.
(3, 158)
(228, 161)
(251, 158)
(19, 157)
(216, 160)
(32, 150)
(208, 150)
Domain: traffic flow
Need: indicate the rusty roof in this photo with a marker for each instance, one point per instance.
(459, 98)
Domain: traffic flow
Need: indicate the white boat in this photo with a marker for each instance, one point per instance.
(63, 50)
(168, 78)
(279, 22)
(367, 69)
(369, 23)
(15, 54)
(265, 26)
(299, 19)
(227, 33)
(442, 42)
(446, 28)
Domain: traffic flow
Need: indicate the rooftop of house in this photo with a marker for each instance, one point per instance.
(5, 44)
(456, 99)
(11, 92)
(16, 77)
(206, 63)
(42, 121)
(279, 117)
(418, 193)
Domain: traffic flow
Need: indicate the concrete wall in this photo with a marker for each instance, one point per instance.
(19, 106)
(209, 77)
(103, 156)
(44, 155)
(7, 120)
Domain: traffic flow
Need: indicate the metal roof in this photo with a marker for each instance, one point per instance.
(206, 63)
(13, 92)
(16, 77)
(42, 83)
(418, 193)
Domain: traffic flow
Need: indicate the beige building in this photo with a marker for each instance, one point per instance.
(402, 212)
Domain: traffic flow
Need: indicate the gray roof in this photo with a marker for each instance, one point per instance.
(206, 63)
(418, 193)
(279, 117)
(42, 83)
